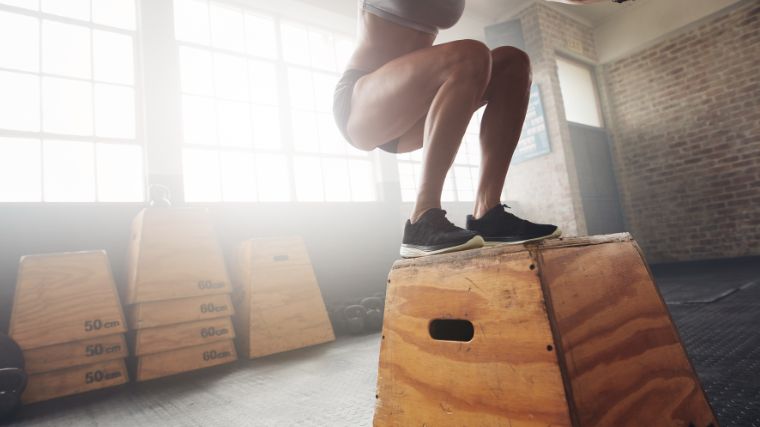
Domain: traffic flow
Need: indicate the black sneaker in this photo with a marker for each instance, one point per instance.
(499, 226)
(434, 234)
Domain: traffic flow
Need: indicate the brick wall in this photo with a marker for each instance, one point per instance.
(545, 189)
(685, 117)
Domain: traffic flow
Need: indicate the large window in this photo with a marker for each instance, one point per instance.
(256, 107)
(462, 180)
(68, 128)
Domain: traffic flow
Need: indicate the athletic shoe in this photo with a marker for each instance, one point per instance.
(434, 234)
(499, 226)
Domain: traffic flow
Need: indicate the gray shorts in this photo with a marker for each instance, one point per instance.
(342, 106)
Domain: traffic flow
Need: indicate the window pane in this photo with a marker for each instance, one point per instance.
(273, 177)
(19, 102)
(260, 36)
(308, 174)
(466, 181)
(120, 172)
(408, 173)
(197, 72)
(362, 181)
(324, 88)
(322, 50)
(69, 171)
(448, 195)
(191, 21)
(201, 175)
(20, 170)
(578, 93)
(337, 185)
(266, 127)
(295, 44)
(305, 131)
(26, 4)
(330, 139)
(301, 89)
(114, 111)
(234, 124)
(65, 49)
(114, 13)
(343, 50)
(19, 42)
(264, 85)
(199, 120)
(230, 77)
(66, 106)
(77, 9)
(238, 177)
(227, 28)
(113, 56)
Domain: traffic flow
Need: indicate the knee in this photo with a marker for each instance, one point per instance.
(472, 59)
(509, 59)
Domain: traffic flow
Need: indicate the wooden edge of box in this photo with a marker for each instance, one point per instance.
(225, 352)
(76, 380)
(560, 242)
(95, 350)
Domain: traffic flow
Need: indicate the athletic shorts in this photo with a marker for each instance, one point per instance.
(342, 106)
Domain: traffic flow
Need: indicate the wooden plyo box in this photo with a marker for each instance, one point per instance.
(185, 359)
(65, 297)
(568, 332)
(75, 353)
(279, 306)
(169, 312)
(165, 338)
(174, 253)
(65, 382)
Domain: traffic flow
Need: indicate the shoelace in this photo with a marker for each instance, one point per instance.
(511, 215)
(438, 218)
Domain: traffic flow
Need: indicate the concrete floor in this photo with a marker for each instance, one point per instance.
(716, 306)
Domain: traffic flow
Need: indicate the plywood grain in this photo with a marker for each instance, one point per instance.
(186, 359)
(70, 381)
(65, 297)
(75, 353)
(174, 253)
(506, 375)
(164, 338)
(625, 362)
(169, 312)
(566, 332)
(280, 306)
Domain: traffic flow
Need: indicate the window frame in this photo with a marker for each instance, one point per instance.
(41, 136)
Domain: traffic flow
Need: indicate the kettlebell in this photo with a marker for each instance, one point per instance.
(13, 379)
(12, 385)
(338, 319)
(356, 317)
(159, 196)
(374, 307)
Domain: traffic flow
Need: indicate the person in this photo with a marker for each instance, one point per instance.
(400, 93)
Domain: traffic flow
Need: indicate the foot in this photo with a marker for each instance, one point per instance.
(499, 226)
(434, 234)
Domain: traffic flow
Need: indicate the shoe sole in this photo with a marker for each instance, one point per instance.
(474, 243)
(555, 234)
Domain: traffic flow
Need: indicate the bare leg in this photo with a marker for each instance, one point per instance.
(507, 97)
(444, 82)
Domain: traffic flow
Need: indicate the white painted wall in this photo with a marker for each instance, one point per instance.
(646, 21)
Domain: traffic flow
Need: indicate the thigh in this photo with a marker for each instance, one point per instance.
(389, 102)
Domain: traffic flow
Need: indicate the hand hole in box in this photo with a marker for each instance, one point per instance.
(451, 330)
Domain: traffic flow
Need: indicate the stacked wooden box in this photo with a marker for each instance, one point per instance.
(68, 321)
(279, 303)
(178, 293)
